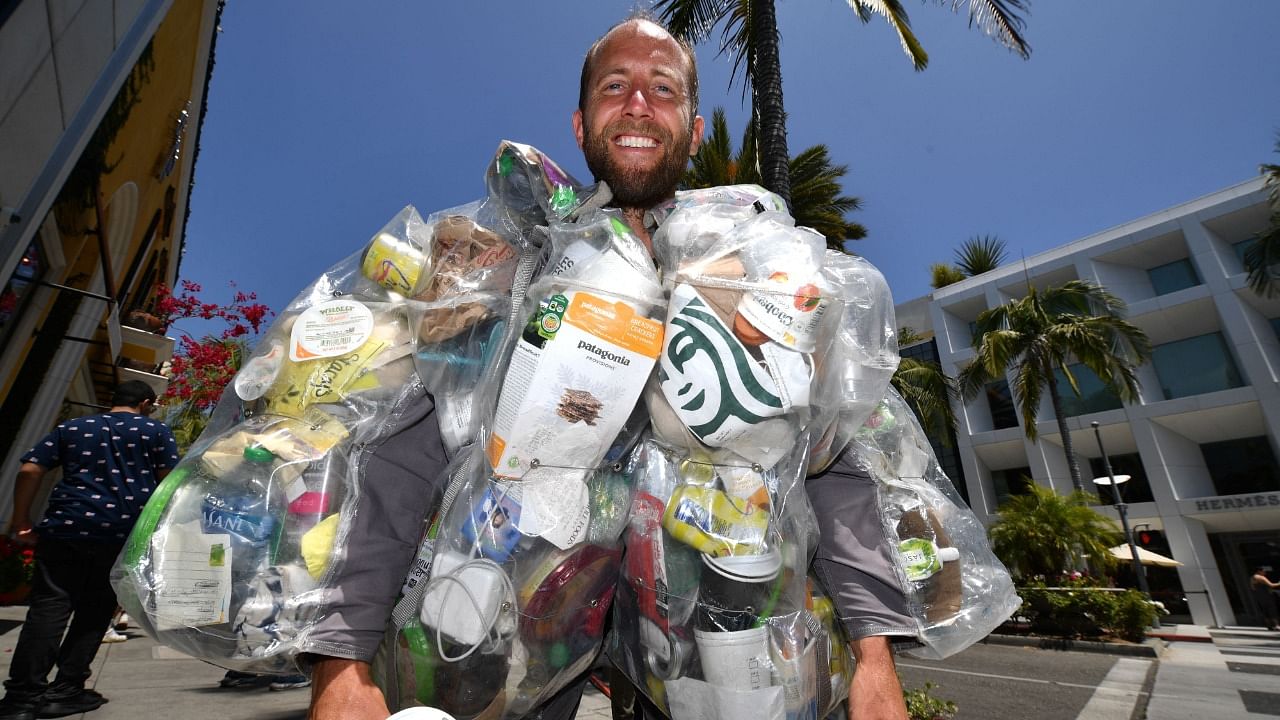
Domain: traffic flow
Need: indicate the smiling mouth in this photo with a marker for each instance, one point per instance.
(636, 141)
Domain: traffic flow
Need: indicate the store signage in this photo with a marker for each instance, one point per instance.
(1234, 502)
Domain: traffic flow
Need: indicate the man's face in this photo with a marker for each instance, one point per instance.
(637, 132)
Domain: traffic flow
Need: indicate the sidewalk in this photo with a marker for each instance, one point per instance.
(1233, 677)
(146, 680)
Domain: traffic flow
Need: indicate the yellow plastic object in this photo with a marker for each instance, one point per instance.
(317, 545)
(713, 523)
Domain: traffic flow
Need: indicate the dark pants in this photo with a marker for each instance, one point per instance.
(72, 581)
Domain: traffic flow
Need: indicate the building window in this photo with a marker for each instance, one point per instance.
(1275, 326)
(17, 291)
(1007, 483)
(1195, 365)
(1242, 247)
(1095, 396)
(1247, 465)
(1174, 276)
(1000, 400)
(1138, 489)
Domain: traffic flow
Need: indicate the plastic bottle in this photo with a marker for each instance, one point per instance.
(243, 504)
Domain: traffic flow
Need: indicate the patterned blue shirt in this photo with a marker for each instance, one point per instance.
(109, 465)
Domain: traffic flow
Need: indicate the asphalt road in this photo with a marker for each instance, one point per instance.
(998, 681)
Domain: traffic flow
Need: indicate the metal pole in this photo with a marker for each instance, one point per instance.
(1138, 570)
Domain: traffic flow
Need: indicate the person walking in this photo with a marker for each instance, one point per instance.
(111, 462)
(1261, 587)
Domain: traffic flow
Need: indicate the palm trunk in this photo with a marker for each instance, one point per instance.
(1067, 448)
(766, 101)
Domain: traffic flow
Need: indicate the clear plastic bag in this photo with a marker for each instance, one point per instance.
(959, 591)
(234, 559)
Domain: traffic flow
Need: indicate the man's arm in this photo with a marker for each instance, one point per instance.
(342, 689)
(875, 692)
(24, 492)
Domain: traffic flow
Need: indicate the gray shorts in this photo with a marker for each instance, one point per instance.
(853, 559)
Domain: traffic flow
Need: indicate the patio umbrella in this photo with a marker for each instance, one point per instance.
(1145, 556)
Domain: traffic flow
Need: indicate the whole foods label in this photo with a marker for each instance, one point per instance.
(329, 329)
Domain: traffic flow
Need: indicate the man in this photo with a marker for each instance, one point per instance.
(111, 462)
(637, 126)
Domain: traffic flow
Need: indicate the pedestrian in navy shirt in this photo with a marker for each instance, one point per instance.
(110, 464)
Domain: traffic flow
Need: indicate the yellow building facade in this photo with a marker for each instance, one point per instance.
(100, 110)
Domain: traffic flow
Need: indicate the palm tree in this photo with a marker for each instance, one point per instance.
(1044, 533)
(980, 254)
(1263, 257)
(975, 256)
(1037, 335)
(816, 200)
(751, 38)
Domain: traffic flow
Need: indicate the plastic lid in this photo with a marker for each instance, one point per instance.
(746, 568)
(258, 454)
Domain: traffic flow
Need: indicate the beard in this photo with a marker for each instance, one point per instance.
(637, 187)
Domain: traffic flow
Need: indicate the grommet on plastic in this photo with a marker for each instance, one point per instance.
(757, 467)
(534, 463)
(616, 467)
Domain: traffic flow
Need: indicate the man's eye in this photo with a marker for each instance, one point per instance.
(613, 87)
(664, 90)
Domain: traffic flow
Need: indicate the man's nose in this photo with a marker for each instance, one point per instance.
(638, 105)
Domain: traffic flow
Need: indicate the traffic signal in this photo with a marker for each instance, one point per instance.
(1144, 538)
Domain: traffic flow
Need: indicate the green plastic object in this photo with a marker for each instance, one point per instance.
(140, 538)
(258, 454)
(421, 652)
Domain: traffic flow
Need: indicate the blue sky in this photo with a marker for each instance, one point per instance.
(324, 120)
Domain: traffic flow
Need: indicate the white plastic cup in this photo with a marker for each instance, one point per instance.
(421, 713)
(737, 660)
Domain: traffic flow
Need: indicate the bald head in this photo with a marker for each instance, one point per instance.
(640, 26)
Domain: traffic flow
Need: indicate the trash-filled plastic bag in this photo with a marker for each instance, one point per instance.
(524, 556)
(959, 591)
(232, 561)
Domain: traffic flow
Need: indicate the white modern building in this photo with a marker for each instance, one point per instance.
(1202, 441)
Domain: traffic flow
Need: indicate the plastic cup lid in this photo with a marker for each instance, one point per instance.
(746, 568)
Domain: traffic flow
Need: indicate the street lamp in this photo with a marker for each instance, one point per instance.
(1114, 481)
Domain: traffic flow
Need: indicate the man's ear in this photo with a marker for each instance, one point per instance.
(698, 127)
(577, 126)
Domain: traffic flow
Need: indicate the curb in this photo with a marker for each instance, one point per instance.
(1175, 637)
(1152, 647)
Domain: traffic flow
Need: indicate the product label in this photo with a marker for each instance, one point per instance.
(920, 558)
(193, 572)
(329, 329)
(563, 403)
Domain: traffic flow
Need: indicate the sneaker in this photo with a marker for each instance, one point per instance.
(122, 622)
(75, 704)
(111, 636)
(291, 682)
(241, 680)
(12, 709)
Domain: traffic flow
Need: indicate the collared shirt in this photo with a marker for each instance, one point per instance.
(109, 465)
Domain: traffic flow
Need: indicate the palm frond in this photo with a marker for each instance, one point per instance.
(896, 16)
(998, 19)
(980, 254)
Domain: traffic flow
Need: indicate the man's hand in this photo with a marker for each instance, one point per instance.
(874, 692)
(343, 689)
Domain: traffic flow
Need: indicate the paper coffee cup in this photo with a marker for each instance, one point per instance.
(737, 660)
(788, 311)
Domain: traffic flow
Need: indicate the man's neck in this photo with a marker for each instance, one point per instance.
(635, 220)
(126, 408)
